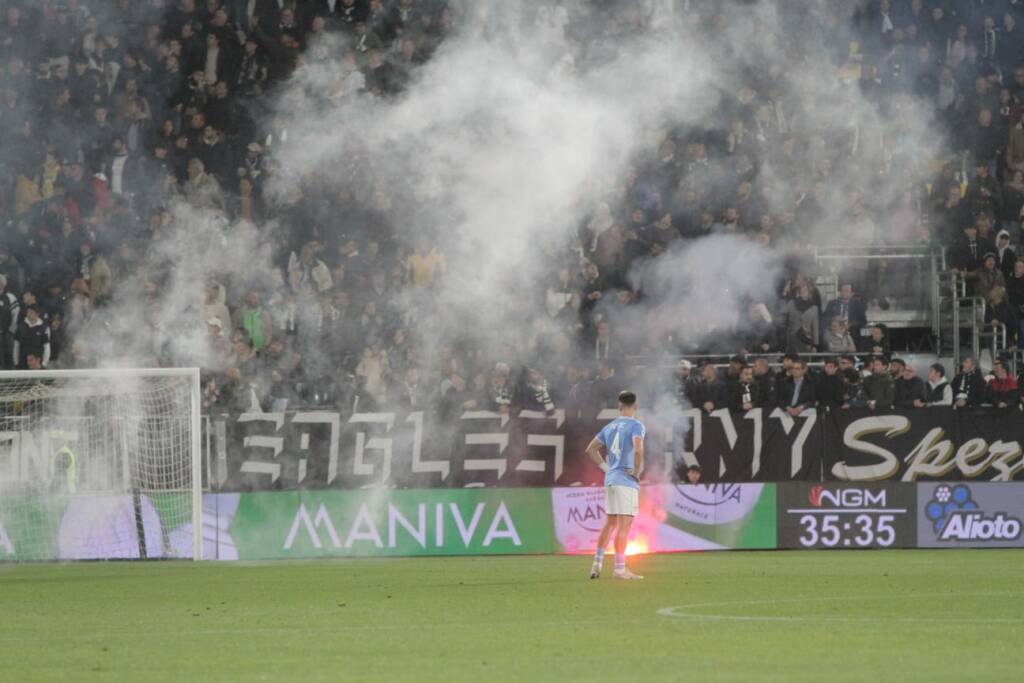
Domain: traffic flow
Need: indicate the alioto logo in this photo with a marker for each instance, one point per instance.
(957, 517)
(844, 498)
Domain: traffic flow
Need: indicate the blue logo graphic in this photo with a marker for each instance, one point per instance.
(946, 501)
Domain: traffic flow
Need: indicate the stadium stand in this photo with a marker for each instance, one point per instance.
(117, 113)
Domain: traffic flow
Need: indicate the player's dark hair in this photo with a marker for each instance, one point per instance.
(627, 398)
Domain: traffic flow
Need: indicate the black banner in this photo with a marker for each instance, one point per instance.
(321, 449)
(831, 515)
(931, 444)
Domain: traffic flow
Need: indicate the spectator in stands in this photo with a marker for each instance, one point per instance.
(605, 388)
(877, 342)
(998, 311)
(744, 393)
(9, 316)
(759, 335)
(683, 381)
(802, 322)
(425, 264)
(537, 395)
(601, 343)
(693, 475)
(308, 273)
(766, 382)
(968, 252)
(988, 276)
(796, 393)
(847, 362)
(968, 385)
(938, 392)
(847, 307)
(254, 320)
(879, 385)
(830, 386)
(837, 338)
(854, 395)
(94, 271)
(709, 392)
(32, 337)
(1005, 256)
(202, 190)
(500, 392)
(1002, 389)
(908, 389)
(1015, 294)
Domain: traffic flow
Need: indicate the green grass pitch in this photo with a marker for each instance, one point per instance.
(731, 616)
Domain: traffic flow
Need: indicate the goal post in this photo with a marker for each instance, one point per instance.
(100, 464)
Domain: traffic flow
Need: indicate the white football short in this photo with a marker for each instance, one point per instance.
(621, 500)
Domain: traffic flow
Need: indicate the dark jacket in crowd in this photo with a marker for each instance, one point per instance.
(740, 394)
(831, 390)
(805, 396)
(880, 389)
(969, 386)
(854, 395)
(906, 391)
(766, 388)
(714, 391)
(852, 311)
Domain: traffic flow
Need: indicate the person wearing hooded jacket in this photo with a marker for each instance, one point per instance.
(1005, 256)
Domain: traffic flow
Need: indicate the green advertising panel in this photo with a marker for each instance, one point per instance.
(300, 524)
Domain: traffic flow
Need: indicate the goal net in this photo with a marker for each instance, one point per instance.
(100, 464)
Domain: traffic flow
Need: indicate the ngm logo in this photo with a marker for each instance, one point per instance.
(819, 496)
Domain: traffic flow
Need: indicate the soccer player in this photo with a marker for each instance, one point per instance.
(623, 439)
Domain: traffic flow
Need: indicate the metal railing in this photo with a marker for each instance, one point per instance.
(892, 269)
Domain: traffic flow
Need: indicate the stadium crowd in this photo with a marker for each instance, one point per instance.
(116, 111)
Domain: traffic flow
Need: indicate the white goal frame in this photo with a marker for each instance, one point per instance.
(195, 422)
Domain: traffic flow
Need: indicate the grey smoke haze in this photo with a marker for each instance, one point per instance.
(511, 135)
(509, 138)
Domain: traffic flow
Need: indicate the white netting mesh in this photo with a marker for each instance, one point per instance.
(96, 465)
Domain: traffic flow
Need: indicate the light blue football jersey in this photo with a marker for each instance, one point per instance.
(617, 438)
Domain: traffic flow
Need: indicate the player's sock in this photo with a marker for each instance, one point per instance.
(620, 562)
(595, 568)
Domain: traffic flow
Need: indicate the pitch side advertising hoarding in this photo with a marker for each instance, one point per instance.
(970, 515)
(94, 527)
(378, 523)
(831, 515)
(480, 521)
(673, 518)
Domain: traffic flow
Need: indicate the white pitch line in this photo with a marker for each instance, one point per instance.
(676, 613)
